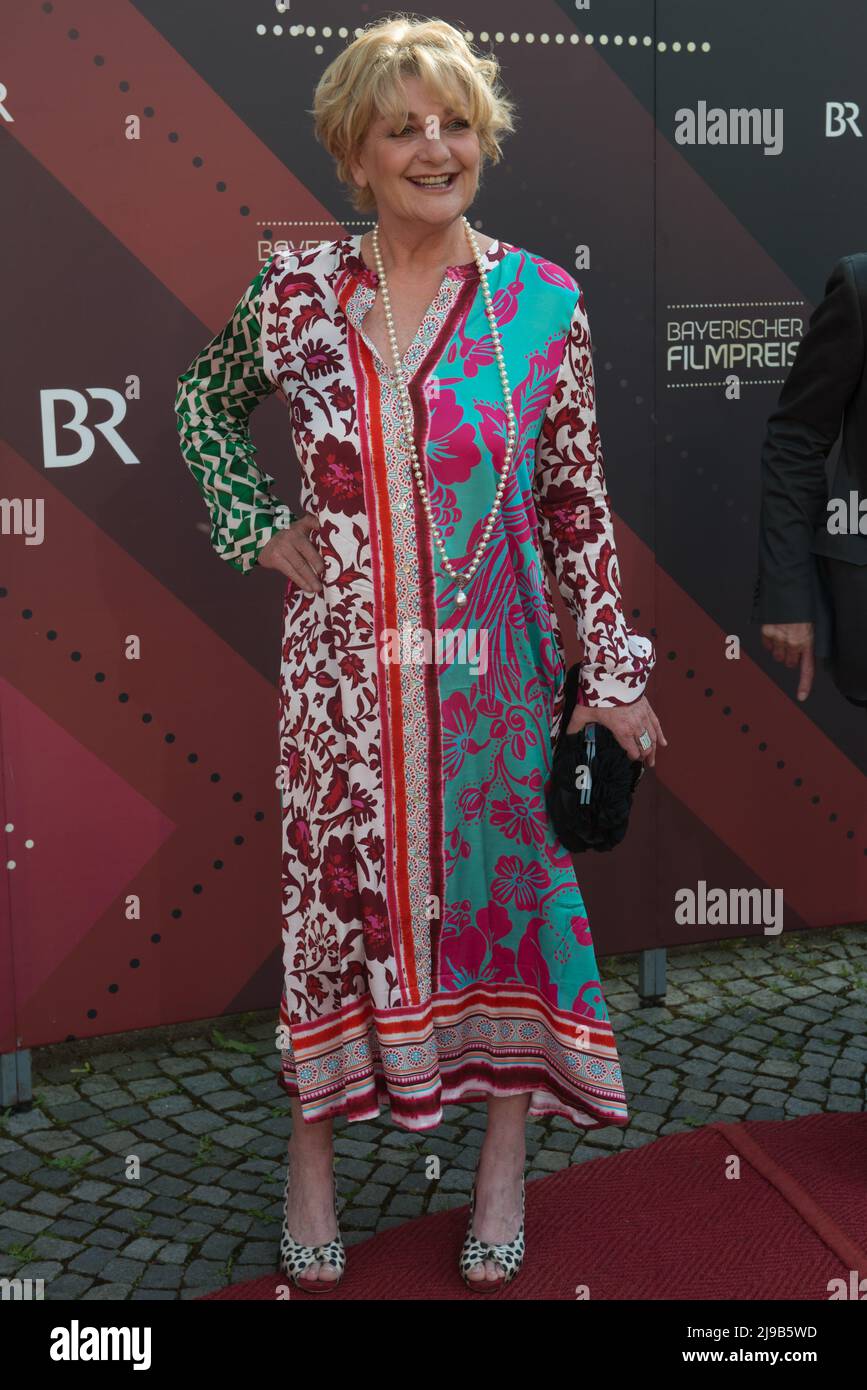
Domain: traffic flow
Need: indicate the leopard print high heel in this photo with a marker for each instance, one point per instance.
(509, 1255)
(295, 1257)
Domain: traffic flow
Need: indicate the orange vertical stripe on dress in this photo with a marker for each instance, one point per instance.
(377, 449)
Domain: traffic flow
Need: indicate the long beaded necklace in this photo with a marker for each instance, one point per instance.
(462, 580)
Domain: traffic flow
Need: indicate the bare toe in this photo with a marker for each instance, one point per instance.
(312, 1273)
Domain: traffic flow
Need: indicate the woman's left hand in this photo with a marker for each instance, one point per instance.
(627, 723)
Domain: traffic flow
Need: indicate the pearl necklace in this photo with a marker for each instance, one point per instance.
(406, 411)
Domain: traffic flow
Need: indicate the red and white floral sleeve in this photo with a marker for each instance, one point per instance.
(576, 529)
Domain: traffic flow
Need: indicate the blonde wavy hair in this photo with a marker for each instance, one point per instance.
(364, 82)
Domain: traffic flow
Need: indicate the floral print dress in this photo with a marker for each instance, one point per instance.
(436, 945)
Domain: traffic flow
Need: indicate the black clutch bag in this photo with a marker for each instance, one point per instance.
(593, 779)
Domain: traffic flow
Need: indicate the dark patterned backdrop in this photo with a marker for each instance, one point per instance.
(138, 697)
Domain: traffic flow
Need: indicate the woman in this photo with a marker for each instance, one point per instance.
(440, 384)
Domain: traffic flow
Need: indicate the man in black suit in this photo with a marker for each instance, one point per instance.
(811, 591)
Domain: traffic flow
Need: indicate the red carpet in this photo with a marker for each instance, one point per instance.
(660, 1222)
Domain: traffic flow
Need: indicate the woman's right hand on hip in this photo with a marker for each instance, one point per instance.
(292, 552)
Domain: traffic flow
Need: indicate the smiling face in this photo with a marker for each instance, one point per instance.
(426, 172)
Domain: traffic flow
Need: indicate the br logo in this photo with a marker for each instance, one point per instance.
(78, 425)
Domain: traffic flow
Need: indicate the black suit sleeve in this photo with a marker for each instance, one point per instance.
(800, 435)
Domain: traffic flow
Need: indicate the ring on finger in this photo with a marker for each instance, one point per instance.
(645, 742)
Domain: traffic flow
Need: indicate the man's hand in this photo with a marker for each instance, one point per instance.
(793, 643)
(293, 554)
(627, 723)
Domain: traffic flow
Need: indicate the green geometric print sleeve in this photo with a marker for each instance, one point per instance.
(214, 400)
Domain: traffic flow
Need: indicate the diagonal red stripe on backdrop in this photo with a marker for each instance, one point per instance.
(193, 684)
(146, 191)
(95, 833)
(722, 777)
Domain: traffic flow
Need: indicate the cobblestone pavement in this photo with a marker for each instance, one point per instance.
(762, 1029)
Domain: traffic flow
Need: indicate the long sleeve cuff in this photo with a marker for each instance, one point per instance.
(621, 679)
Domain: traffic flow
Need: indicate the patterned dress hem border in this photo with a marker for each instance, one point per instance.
(543, 1105)
(457, 1046)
